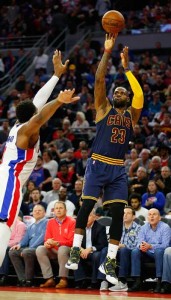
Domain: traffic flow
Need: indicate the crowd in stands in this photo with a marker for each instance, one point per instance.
(52, 195)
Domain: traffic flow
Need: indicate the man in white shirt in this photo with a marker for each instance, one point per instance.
(54, 193)
(135, 202)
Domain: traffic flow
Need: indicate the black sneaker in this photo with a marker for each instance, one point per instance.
(108, 268)
(166, 288)
(74, 259)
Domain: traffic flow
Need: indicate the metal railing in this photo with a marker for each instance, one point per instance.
(18, 42)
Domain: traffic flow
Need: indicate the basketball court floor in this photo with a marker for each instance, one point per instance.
(14, 293)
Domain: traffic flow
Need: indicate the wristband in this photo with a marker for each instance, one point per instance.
(107, 51)
(126, 69)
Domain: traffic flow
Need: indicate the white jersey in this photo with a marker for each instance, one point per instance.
(17, 165)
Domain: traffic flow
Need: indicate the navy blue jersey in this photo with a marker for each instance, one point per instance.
(113, 134)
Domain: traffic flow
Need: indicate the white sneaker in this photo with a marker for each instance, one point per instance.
(104, 286)
(119, 287)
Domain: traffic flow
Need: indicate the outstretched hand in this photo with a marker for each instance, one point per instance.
(110, 41)
(125, 57)
(59, 67)
(66, 96)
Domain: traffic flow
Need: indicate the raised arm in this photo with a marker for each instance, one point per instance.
(44, 93)
(29, 132)
(100, 84)
(138, 98)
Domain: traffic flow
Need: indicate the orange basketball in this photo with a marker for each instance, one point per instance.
(113, 21)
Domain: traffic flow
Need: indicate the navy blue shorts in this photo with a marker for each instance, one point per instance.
(107, 178)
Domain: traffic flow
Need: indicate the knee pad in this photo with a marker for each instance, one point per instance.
(84, 212)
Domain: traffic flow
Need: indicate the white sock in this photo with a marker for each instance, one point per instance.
(112, 250)
(5, 233)
(77, 240)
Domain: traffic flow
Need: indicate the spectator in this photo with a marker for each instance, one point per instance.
(130, 160)
(29, 187)
(49, 163)
(94, 240)
(82, 145)
(61, 142)
(140, 182)
(36, 199)
(41, 176)
(81, 164)
(70, 207)
(135, 202)
(155, 170)
(40, 62)
(143, 161)
(67, 177)
(153, 140)
(129, 241)
(153, 238)
(54, 193)
(17, 234)
(164, 180)
(167, 207)
(26, 249)
(58, 240)
(4, 131)
(70, 160)
(166, 276)
(164, 153)
(153, 198)
(75, 196)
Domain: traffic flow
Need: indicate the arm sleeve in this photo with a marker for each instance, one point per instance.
(138, 98)
(44, 93)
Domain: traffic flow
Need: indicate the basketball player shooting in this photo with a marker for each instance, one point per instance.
(22, 148)
(105, 169)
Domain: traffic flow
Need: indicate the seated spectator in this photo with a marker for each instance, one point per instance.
(153, 198)
(82, 145)
(129, 241)
(26, 249)
(58, 240)
(41, 176)
(69, 160)
(139, 183)
(81, 122)
(54, 193)
(36, 199)
(61, 142)
(153, 239)
(167, 207)
(40, 62)
(164, 180)
(67, 177)
(155, 167)
(81, 164)
(70, 207)
(75, 196)
(94, 240)
(135, 202)
(164, 152)
(146, 129)
(166, 276)
(17, 234)
(153, 140)
(49, 163)
(130, 160)
(4, 131)
(143, 161)
(29, 187)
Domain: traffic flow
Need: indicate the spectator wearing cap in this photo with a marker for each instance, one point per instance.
(17, 234)
(153, 198)
(142, 161)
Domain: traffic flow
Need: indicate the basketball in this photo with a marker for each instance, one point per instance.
(113, 21)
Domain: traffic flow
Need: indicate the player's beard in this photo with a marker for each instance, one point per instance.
(119, 103)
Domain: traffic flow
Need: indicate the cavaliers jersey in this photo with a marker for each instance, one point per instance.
(113, 134)
(17, 165)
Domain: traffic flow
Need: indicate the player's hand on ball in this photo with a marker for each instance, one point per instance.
(59, 67)
(110, 41)
(66, 96)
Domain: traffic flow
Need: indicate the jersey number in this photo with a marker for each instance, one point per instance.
(118, 135)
